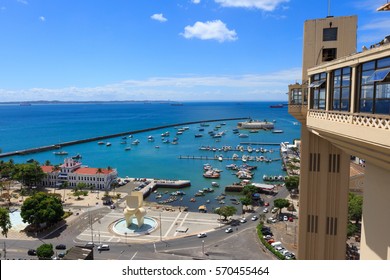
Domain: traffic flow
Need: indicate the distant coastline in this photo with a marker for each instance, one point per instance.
(173, 102)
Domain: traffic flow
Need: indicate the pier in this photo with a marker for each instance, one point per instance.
(97, 138)
(227, 158)
(259, 143)
(155, 184)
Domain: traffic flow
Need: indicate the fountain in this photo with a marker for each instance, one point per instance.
(135, 221)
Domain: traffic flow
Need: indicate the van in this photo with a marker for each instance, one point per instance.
(277, 243)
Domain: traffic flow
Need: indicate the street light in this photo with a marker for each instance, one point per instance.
(160, 228)
(203, 247)
(126, 237)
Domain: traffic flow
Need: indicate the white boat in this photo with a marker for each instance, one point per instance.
(157, 147)
(243, 135)
(249, 149)
(61, 153)
(108, 144)
(101, 143)
(214, 184)
(135, 142)
(220, 158)
(277, 131)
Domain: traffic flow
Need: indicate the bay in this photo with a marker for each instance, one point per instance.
(23, 127)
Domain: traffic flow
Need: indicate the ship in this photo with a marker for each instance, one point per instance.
(276, 106)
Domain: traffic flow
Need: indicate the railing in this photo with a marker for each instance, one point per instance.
(367, 120)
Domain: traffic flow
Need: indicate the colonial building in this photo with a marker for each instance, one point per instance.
(343, 105)
(73, 172)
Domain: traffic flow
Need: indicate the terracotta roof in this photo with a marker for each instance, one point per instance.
(47, 168)
(91, 171)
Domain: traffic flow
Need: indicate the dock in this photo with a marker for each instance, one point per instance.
(98, 138)
(155, 184)
(260, 143)
(226, 158)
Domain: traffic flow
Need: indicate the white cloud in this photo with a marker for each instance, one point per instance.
(370, 5)
(195, 1)
(210, 30)
(266, 5)
(270, 86)
(374, 31)
(22, 2)
(42, 18)
(159, 17)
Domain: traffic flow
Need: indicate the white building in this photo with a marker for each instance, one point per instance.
(73, 172)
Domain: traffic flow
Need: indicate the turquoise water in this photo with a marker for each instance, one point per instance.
(24, 127)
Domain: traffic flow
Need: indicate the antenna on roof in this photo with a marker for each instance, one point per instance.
(328, 8)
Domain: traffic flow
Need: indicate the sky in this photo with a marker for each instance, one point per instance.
(184, 50)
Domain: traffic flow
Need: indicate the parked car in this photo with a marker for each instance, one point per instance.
(271, 220)
(265, 210)
(89, 245)
(112, 206)
(285, 218)
(274, 210)
(229, 230)
(243, 220)
(103, 247)
(290, 219)
(202, 234)
(266, 204)
(61, 255)
(32, 252)
(254, 218)
(61, 247)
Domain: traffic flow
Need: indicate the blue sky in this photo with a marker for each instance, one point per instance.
(163, 49)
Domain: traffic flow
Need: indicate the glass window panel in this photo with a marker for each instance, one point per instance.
(368, 65)
(346, 80)
(336, 93)
(336, 104)
(367, 91)
(344, 106)
(383, 91)
(321, 105)
(384, 62)
(337, 81)
(323, 76)
(337, 72)
(366, 105)
(316, 84)
(382, 106)
(378, 75)
(322, 94)
(366, 75)
(346, 70)
(345, 93)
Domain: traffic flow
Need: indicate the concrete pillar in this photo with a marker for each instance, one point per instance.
(354, 92)
(328, 93)
(375, 238)
(323, 204)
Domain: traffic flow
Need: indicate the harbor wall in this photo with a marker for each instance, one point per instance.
(97, 138)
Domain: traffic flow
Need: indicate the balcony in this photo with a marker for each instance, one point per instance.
(365, 135)
(298, 111)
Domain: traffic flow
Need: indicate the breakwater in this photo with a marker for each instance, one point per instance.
(97, 138)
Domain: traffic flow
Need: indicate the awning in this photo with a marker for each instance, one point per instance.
(316, 84)
(378, 75)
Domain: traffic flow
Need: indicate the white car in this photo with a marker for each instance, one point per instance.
(202, 234)
(103, 247)
(265, 210)
(254, 218)
(243, 220)
(285, 218)
(229, 230)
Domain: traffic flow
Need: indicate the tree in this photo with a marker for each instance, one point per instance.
(47, 163)
(281, 203)
(45, 251)
(29, 173)
(226, 211)
(249, 191)
(355, 205)
(292, 182)
(246, 200)
(5, 221)
(42, 208)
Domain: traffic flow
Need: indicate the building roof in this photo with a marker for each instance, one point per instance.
(92, 171)
(47, 168)
(385, 7)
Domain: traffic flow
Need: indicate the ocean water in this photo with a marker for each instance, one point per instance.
(23, 127)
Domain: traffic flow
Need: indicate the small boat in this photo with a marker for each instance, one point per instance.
(214, 184)
(108, 144)
(130, 136)
(61, 153)
(101, 143)
(123, 142)
(277, 131)
(208, 201)
(220, 158)
(127, 149)
(135, 142)
(192, 199)
(78, 156)
(243, 135)
(253, 131)
(157, 147)
(198, 135)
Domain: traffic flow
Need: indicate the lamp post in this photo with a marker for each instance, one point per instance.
(126, 237)
(203, 247)
(160, 228)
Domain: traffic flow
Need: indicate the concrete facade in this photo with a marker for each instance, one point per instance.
(347, 113)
